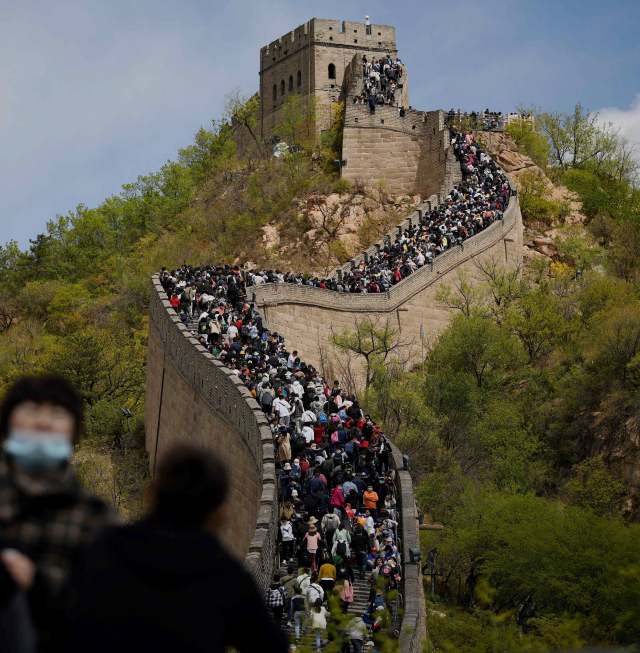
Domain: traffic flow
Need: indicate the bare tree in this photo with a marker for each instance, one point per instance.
(377, 342)
(242, 110)
(464, 295)
(332, 220)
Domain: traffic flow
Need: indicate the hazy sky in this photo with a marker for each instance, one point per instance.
(92, 94)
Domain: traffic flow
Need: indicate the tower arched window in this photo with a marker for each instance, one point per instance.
(290, 83)
(332, 71)
(282, 87)
(299, 78)
(275, 91)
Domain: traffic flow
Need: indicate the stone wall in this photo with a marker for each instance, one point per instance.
(307, 316)
(409, 153)
(413, 629)
(301, 58)
(193, 399)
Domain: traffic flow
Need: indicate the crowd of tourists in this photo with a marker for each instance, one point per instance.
(337, 489)
(472, 205)
(380, 82)
(485, 120)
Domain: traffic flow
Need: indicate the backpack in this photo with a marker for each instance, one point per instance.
(304, 465)
(244, 331)
(334, 437)
(341, 549)
(332, 523)
(323, 419)
(266, 399)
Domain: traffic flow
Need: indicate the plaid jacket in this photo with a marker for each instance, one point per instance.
(276, 596)
(52, 529)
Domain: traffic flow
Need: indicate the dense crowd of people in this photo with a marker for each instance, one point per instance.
(486, 120)
(472, 205)
(338, 507)
(380, 81)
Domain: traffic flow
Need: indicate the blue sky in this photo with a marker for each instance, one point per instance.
(93, 94)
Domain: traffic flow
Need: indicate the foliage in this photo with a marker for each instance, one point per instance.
(377, 342)
(526, 546)
(535, 199)
(120, 476)
(529, 142)
(475, 346)
(578, 140)
(594, 486)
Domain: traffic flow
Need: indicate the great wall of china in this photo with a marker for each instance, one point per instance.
(208, 406)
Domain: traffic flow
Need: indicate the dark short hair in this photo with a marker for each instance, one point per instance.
(43, 389)
(190, 484)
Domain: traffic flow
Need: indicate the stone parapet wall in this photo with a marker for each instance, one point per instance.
(413, 625)
(307, 316)
(193, 399)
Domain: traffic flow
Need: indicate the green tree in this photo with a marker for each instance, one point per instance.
(243, 111)
(476, 346)
(538, 322)
(594, 486)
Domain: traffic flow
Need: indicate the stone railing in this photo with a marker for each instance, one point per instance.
(232, 404)
(412, 630)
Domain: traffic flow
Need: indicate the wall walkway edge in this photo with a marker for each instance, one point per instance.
(235, 414)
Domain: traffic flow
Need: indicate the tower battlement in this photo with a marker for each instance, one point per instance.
(312, 60)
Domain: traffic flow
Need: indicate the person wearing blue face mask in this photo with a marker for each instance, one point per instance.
(46, 517)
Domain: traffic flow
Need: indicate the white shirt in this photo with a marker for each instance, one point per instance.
(282, 407)
(307, 434)
(309, 416)
(369, 525)
(304, 580)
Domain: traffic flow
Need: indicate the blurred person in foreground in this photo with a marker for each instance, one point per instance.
(166, 583)
(46, 517)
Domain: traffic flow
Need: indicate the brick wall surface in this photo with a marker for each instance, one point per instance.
(409, 153)
(192, 398)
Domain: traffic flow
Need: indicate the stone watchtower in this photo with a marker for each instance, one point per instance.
(312, 60)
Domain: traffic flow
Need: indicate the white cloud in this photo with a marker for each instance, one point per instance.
(628, 120)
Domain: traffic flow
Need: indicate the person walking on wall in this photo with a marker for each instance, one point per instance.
(318, 619)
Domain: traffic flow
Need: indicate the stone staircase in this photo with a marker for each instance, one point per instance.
(361, 589)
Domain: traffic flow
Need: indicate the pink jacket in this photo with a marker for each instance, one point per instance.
(337, 498)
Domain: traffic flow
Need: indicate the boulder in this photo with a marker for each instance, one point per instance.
(548, 251)
(539, 241)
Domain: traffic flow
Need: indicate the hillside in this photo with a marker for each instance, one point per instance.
(523, 434)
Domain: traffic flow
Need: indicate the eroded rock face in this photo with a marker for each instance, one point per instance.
(511, 161)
